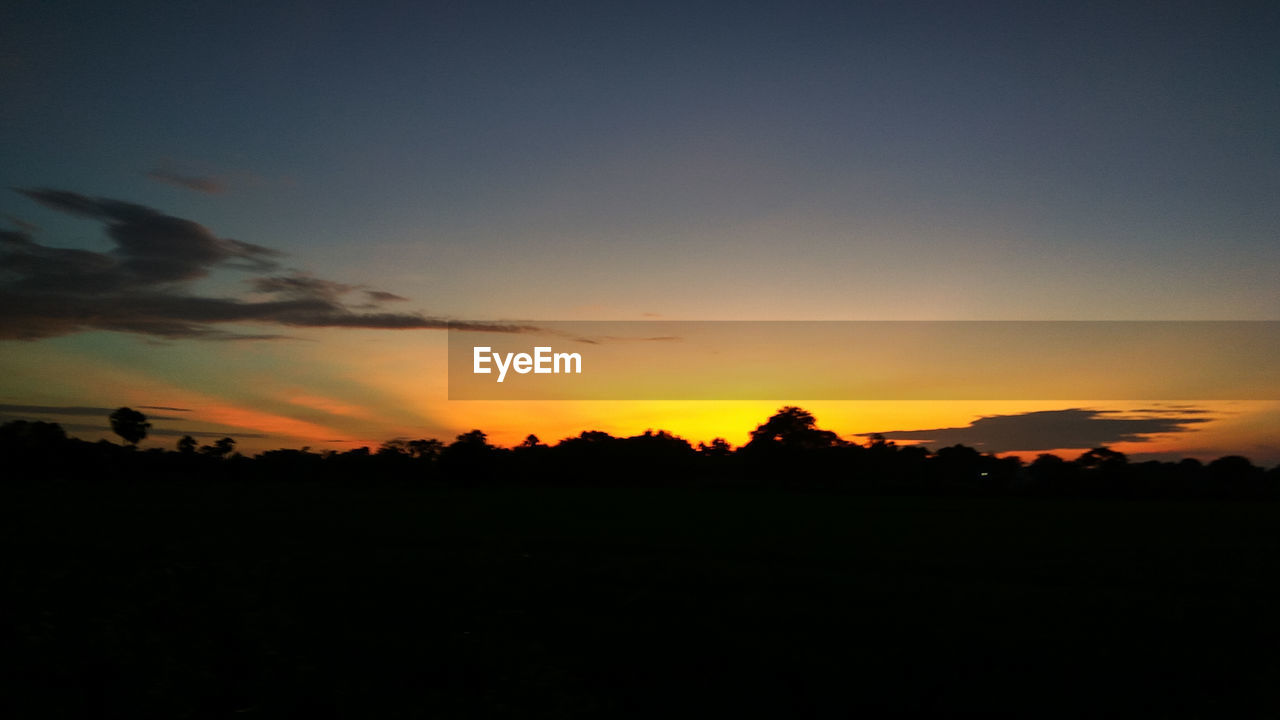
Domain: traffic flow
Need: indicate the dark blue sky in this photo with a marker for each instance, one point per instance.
(607, 154)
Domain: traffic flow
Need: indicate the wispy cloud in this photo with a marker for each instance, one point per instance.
(9, 412)
(383, 296)
(142, 284)
(204, 184)
(621, 339)
(79, 411)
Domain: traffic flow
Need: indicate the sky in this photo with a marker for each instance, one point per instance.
(260, 217)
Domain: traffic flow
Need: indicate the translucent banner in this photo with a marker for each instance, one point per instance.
(865, 360)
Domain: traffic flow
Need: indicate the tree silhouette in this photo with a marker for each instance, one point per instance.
(393, 447)
(129, 424)
(39, 434)
(474, 439)
(220, 449)
(719, 447)
(1051, 473)
(426, 449)
(792, 427)
(1102, 458)
(787, 450)
(470, 454)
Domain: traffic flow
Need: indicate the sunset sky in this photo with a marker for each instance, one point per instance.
(254, 220)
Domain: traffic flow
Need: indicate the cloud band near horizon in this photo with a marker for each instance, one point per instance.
(1057, 429)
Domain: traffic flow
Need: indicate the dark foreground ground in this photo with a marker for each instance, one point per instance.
(203, 600)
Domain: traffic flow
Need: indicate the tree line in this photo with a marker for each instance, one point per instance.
(788, 450)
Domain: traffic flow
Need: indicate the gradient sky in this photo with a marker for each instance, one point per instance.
(755, 161)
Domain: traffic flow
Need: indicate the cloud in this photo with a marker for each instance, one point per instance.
(154, 432)
(142, 284)
(618, 339)
(469, 326)
(79, 410)
(302, 287)
(208, 185)
(1054, 429)
(9, 413)
(22, 225)
(379, 296)
(200, 434)
(151, 248)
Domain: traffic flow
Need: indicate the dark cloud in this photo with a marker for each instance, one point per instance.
(208, 185)
(21, 224)
(655, 338)
(154, 432)
(33, 315)
(302, 287)
(1054, 429)
(9, 413)
(469, 326)
(617, 338)
(78, 410)
(201, 434)
(151, 248)
(381, 296)
(141, 285)
(1180, 409)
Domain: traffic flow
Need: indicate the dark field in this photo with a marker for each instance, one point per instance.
(211, 600)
